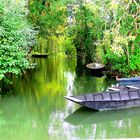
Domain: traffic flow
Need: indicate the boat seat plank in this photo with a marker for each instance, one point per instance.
(114, 89)
(133, 87)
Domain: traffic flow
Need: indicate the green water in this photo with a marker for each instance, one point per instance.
(37, 109)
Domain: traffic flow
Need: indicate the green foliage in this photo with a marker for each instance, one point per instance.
(68, 47)
(49, 15)
(51, 18)
(99, 30)
(121, 42)
(88, 29)
(16, 38)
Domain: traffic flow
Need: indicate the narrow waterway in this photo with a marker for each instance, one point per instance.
(37, 109)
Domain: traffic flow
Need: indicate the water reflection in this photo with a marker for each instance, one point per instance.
(89, 116)
(108, 124)
(37, 109)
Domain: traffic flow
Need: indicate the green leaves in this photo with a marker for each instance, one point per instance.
(49, 15)
(16, 38)
(1, 76)
(121, 39)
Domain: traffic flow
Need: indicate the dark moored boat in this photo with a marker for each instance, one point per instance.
(109, 100)
(95, 66)
(128, 79)
(39, 55)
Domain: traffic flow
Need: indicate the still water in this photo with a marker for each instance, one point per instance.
(37, 109)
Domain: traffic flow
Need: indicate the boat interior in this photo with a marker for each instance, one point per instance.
(111, 95)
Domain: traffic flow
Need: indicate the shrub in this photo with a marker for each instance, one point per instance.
(16, 38)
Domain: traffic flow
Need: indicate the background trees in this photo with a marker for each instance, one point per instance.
(121, 39)
(50, 17)
(102, 31)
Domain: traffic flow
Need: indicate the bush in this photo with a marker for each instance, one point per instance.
(121, 40)
(16, 38)
(68, 47)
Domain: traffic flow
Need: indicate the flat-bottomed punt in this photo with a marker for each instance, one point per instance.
(126, 87)
(112, 100)
(137, 78)
(39, 55)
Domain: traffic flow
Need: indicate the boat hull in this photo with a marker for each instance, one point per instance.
(95, 66)
(111, 100)
(111, 105)
(132, 79)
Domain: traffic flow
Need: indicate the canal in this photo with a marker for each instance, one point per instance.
(37, 109)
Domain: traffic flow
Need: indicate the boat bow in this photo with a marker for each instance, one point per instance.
(73, 99)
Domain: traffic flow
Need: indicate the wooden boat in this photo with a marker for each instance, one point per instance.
(128, 79)
(126, 87)
(39, 55)
(112, 100)
(117, 88)
(95, 66)
(124, 83)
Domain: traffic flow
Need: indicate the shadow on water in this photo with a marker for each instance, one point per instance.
(88, 116)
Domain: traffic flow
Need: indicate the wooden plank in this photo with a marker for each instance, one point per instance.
(114, 89)
(133, 87)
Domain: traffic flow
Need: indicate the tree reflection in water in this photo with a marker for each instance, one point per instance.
(37, 110)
